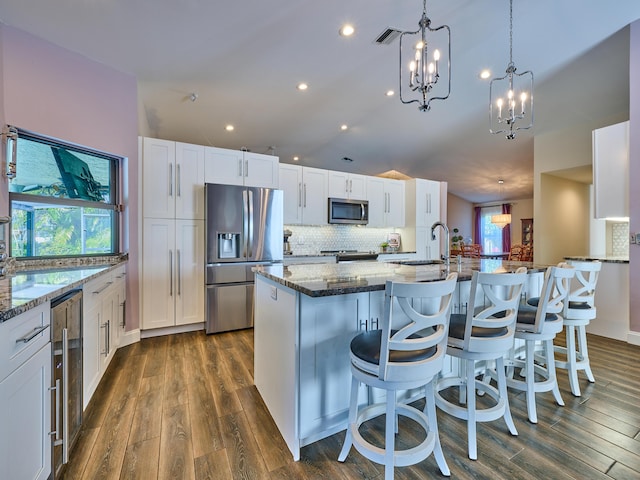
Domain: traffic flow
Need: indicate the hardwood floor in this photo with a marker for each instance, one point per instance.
(184, 406)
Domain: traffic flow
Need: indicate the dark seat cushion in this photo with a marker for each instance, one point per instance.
(458, 323)
(579, 305)
(366, 346)
(529, 317)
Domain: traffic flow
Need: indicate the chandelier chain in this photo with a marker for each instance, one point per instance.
(510, 32)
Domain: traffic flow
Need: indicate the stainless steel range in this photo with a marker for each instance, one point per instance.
(244, 228)
(343, 256)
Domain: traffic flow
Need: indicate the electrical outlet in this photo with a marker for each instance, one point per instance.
(632, 238)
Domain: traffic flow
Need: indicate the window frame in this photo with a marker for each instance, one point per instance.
(114, 205)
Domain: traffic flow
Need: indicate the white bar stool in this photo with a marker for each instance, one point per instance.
(402, 359)
(485, 333)
(541, 324)
(579, 311)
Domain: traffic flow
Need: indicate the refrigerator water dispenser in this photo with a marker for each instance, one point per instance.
(228, 245)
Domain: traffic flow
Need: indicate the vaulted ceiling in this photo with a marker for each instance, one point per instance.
(244, 59)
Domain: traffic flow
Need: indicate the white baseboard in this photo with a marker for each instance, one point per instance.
(633, 338)
(129, 338)
(157, 332)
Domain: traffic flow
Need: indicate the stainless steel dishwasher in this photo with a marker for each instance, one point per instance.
(66, 391)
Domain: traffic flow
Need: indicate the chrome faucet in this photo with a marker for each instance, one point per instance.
(447, 252)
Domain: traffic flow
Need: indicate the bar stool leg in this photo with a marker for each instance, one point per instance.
(471, 410)
(572, 366)
(584, 352)
(530, 377)
(551, 371)
(390, 435)
(353, 412)
(502, 388)
(430, 411)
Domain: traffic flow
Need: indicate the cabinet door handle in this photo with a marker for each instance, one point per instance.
(56, 432)
(171, 273)
(123, 305)
(300, 194)
(32, 334)
(350, 186)
(107, 330)
(179, 271)
(305, 196)
(240, 168)
(246, 168)
(102, 289)
(171, 179)
(65, 395)
(178, 179)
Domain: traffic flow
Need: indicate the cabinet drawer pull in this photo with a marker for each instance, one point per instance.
(102, 289)
(32, 334)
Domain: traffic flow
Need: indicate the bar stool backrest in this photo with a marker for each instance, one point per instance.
(420, 332)
(584, 285)
(490, 326)
(553, 298)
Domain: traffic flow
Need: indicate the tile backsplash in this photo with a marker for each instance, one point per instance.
(620, 238)
(311, 240)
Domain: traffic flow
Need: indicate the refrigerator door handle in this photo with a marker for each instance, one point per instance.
(250, 254)
(245, 223)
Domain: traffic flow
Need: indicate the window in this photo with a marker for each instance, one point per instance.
(63, 199)
(490, 234)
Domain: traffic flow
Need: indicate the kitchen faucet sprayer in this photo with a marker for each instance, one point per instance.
(446, 255)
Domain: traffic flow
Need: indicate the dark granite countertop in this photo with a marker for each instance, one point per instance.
(26, 289)
(320, 280)
(602, 258)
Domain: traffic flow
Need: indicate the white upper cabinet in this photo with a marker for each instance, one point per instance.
(422, 202)
(172, 179)
(347, 185)
(386, 202)
(305, 194)
(236, 167)
(611, 170)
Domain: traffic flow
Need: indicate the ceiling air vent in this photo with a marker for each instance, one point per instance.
(387, 36)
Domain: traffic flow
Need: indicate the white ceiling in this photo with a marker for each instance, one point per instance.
(244, 58)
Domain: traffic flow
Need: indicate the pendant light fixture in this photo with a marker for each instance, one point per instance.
(511, 96)
(502, 219)
(426, 66)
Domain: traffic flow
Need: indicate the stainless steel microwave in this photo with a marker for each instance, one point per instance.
(343, 210)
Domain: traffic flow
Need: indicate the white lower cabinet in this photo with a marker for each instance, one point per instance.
(25, 399)
(172, 272)
(99, 332)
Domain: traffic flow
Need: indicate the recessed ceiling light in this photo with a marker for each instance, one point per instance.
(296, 158)
(390, 93)
(484, 74)
(347, 30)
(302, 86)
(229, 128)
(344, 127)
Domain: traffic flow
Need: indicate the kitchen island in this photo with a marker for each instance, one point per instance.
(305, 318)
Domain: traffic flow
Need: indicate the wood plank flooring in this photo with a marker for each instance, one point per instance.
(184, 407)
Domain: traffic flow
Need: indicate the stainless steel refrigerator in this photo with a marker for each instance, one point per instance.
(244, 228)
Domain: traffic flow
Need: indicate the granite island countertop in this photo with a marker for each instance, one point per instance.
(602, 258)
(23, 290)
(320, 280)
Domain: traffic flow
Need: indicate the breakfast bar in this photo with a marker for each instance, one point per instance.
(305, 318)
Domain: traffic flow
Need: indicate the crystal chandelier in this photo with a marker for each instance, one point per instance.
(514, 100)
(424, 70)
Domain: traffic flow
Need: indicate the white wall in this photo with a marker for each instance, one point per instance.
(52, 91)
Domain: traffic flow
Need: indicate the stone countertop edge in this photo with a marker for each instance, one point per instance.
(10, 312)
(323, 280)
(602, 258)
